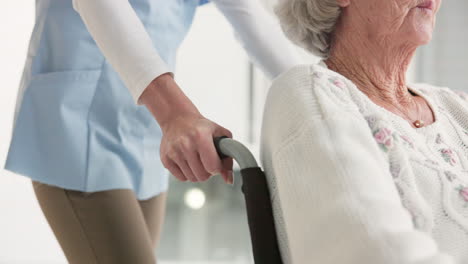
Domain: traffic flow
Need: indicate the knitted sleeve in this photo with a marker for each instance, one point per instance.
(338, 200)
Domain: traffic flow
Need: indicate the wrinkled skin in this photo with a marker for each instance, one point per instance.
(382, 37)
(392, 22)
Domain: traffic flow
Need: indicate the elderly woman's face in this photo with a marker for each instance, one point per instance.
(397, 20)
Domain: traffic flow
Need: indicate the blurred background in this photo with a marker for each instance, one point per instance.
(205, 223)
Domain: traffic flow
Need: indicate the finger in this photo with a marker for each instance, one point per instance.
(228, 177)
(208, 155)
(196, 165)
(227, 172)
(227, 164)
(175, 170)
(172, 167)
(189, 151)
(184, 167)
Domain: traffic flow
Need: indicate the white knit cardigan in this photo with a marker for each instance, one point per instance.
(353, 183)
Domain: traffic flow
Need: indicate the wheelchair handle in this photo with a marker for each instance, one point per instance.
(227, 147)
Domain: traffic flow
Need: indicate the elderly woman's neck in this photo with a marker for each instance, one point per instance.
(378, 72)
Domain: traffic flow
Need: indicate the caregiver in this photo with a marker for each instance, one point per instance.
(80, 134)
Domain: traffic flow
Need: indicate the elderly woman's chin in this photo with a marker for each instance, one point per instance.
(422, 29)
(422, 35)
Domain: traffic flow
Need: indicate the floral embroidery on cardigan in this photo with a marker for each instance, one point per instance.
(337, 82)
(385, 138)
(448, 155)
(463, 191)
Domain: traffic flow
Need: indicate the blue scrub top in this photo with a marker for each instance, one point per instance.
(77, 126)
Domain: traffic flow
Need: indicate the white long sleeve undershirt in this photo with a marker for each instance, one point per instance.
(125, 43)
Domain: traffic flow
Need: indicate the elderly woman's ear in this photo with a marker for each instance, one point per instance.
(343, 3)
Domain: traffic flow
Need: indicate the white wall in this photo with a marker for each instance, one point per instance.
(24, 234)
(212, 70)
(444, 61)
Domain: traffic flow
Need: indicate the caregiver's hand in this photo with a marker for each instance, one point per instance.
(187, 148)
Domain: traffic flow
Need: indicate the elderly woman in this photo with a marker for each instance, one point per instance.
(364, 167)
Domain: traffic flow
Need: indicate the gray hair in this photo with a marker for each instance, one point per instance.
(309, 23)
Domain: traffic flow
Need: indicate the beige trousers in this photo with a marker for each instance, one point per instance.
(103, 227)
